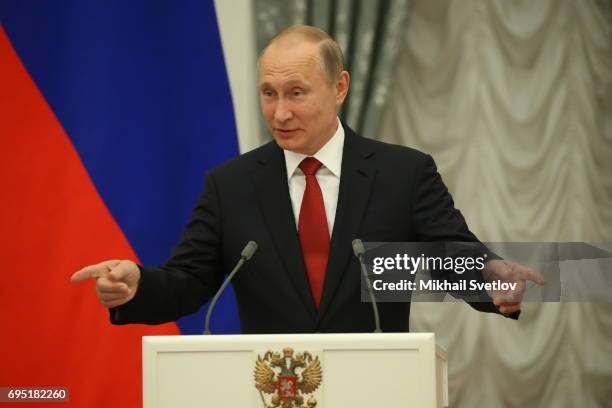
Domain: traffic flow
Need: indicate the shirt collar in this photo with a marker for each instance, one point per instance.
(330, 155)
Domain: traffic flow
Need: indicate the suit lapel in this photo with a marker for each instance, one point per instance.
(273, 195)
(356, 182)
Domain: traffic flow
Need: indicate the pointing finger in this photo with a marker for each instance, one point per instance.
(93, 271)
(529, 274)
(88, 272)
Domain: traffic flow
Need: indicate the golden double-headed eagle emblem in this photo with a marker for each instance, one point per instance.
(289, 378)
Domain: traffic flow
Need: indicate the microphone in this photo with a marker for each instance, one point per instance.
(359, 251)
(246, 254)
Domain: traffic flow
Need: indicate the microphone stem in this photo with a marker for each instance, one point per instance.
(371, 293)
(219, 292)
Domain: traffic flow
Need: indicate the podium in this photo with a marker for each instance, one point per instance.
(294, 370)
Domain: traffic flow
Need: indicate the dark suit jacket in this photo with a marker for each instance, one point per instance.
(387, 193)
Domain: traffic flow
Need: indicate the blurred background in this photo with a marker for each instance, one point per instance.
(513, 99)
(110, 112)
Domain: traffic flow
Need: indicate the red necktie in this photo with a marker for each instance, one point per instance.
(313, 230)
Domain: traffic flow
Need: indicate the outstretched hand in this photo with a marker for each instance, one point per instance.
(116, 281)
(509, 301)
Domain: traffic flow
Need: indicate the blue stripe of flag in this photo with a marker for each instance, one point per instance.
(141, 89)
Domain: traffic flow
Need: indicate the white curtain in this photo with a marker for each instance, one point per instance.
(514, 101)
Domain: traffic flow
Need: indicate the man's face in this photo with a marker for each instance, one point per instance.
(297, 101)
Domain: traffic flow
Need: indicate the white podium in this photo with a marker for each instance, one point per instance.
(345, 370)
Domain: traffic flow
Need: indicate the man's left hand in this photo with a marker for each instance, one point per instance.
(509, 301)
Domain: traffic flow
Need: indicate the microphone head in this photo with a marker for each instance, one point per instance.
(248, 250)
(358, 248)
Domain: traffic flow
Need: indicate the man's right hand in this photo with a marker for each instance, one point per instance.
(116, 281)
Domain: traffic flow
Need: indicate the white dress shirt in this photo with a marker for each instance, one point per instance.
(328, 176)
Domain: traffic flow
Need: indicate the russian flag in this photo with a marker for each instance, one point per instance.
(110, 113)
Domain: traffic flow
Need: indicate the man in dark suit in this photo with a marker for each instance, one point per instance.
(303, 198)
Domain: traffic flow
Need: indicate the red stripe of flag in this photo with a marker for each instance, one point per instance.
(52, 223)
